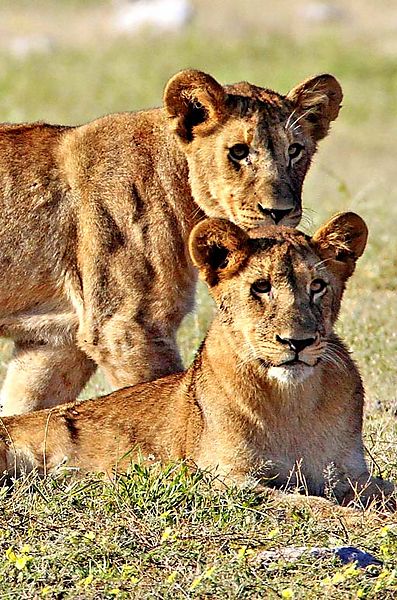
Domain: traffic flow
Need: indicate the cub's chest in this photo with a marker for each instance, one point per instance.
(300, 451)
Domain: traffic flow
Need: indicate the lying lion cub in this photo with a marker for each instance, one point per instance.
(272, 393)
(95, 219)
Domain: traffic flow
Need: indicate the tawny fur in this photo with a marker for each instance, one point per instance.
(251, 406)
(94, 223)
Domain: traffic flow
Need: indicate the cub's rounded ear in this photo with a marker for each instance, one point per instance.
(342, 240)
(194, 102)
(317, 101)
(218, 248)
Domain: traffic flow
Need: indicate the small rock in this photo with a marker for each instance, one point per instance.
(322, 12)
(347, 554)
(23, 46)
(167, 15)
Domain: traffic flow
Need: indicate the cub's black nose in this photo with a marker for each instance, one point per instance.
(296, 345)
(274, 213)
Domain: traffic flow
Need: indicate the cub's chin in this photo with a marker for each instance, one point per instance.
(291, 374)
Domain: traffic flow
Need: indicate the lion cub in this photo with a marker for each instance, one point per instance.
(272, 393)
(95, 220)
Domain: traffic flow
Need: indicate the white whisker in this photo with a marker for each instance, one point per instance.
(306, 220)
(286, 126)
(302, 116)
(335, 358)
(320, 263)
(295, 129)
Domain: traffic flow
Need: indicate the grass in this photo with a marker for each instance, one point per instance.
(163, 533)
(166, 533)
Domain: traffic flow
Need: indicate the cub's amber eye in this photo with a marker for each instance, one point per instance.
(260, 287)
(295, 150)
(239, 151)
(317, 286)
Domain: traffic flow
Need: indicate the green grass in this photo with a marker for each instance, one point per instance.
(166, 533)
(169, 533)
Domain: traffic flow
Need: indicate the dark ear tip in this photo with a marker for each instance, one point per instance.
(198, 238)
(193, 99)
(324, 82)
(184, 75)
(205, 226)
(174, 85)
(187, 74)
(214, 228)
(347, 232)
(328, 78)
(188, 78)
(350, 218)
(210, 243)
(334, 88)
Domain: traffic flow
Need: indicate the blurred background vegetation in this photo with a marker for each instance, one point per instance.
(69, 61)
(167, 533)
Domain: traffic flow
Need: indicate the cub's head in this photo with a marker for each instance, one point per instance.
(279, 294)
(249, 148)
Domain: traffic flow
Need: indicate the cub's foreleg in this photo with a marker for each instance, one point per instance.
(129, 354)
(41, 376)
(366, 490)
(132, 291)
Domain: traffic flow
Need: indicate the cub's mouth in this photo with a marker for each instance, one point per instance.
(293, 362)
(289, 217)
(291, 372)
(297, 361)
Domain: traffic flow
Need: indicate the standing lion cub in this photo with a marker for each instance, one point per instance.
(94, 223)
(272, 394)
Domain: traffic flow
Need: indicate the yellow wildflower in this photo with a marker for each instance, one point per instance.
(21, 562)
(87, 580)
(10, 554)
(167, 534)
(172, 577)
